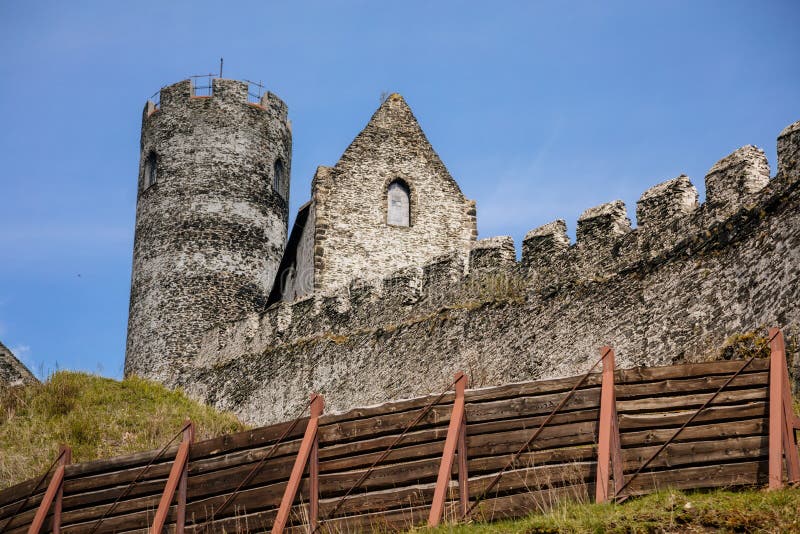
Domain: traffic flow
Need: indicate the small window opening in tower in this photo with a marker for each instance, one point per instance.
(150, 169)
(399, 209)
(279, 175)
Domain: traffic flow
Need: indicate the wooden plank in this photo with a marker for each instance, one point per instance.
(696, 385)
(750, 427)
(641, 421)
(712, 368)
(350, 431)
(676, 454)
(712, 476)
(528, 388)
(668, 404)
(534, 501)
(690, 453)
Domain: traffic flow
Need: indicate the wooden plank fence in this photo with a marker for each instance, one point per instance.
(510, 451)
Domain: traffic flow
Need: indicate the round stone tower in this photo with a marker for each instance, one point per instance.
(211, 219)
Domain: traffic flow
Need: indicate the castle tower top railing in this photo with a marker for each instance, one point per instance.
(203, 86)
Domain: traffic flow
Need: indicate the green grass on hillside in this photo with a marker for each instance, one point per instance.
(664, 512)
(98, 417)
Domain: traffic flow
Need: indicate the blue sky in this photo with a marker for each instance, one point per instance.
(539, 109)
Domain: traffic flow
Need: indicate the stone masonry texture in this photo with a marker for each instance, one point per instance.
(683, 285)
(211, 230)
(12, 371)
(351, 237)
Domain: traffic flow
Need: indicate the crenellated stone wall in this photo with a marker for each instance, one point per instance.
(679, 287)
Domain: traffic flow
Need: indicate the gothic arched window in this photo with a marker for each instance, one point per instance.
(399, 204)
(279, 176)
(150, 169)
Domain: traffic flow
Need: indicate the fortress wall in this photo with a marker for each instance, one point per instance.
(676, 288)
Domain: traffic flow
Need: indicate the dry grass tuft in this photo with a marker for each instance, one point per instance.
(663, 512)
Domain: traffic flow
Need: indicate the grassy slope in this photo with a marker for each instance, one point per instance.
(667, 512)
(97, 417)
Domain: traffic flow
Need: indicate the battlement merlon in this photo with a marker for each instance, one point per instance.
(270, 101)
(543, 242)
(601, 225)
(663, 203)
(789, 152)
(492, 254)
(735, 178)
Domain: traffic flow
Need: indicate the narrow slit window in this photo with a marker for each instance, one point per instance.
(150, 169)
(399, 204)
(279, 180)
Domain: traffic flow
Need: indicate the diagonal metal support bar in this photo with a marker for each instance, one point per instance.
(177, 476)
(616, 456)
(308, 448)
(782, 442)
(455, 440)
(608, 443)
(463, 474)
(180, 515)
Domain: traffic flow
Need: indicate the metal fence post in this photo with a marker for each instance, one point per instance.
(608, 443)
(55, 492)
(303, 457)
(456, 439)
(180, 516)
(177, 474)
(782, 442)
(66, 458)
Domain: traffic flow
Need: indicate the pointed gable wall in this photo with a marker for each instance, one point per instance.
(352, 236)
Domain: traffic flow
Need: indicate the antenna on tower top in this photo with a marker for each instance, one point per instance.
(220, 67)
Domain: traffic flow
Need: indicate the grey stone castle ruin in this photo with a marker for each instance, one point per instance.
(382, 290)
